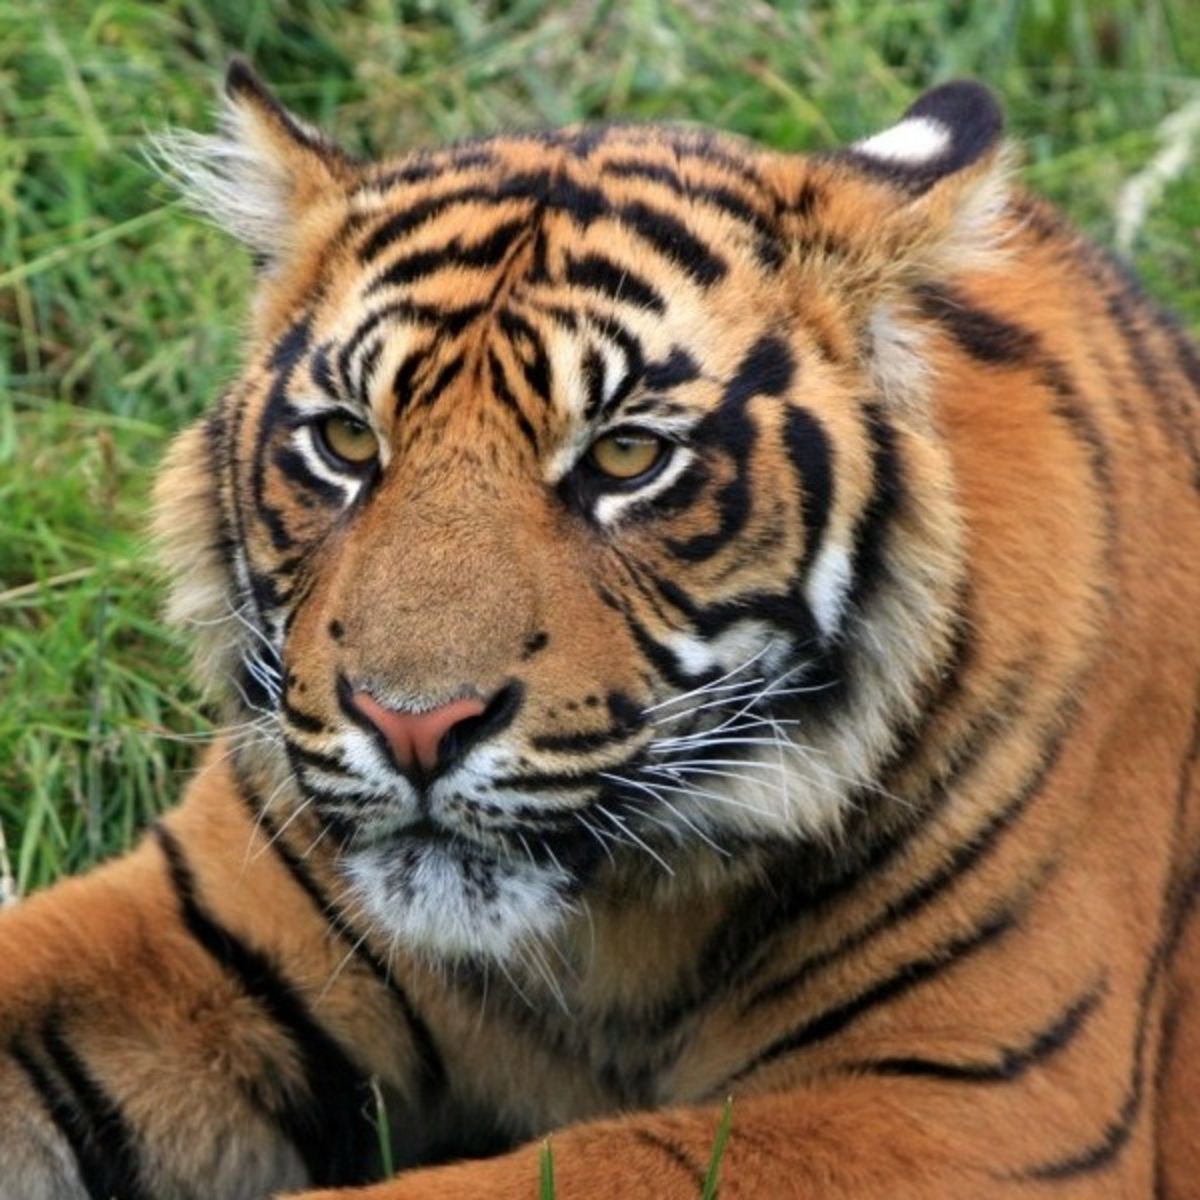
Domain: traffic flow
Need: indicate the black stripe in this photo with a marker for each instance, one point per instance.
(995, 341)
(719, 197)
(593, 378)
(366, 372)
(661, 657)
(672, 239)
(104, 1155)
(293, 467)
(108, 1131)
(812, 455)
(535, 364)
(810, 878)
(429, 1058)
(982, 335)
(581, 743)
(303, 721)
(641, 577)
(602, 274)
(402, 381)
(488, 251)
(766, 369)
(1068, 405)
(1009, 1062)
(677, 368)
(554, 190)
(286, 356)
(887, 498)
(545, 781)
(399, 225)
(506, 397)
(1168, 1050)
(331, 763)
(703, 146)
(668, 1148)
(444, 378)
(328, 1124)
(451, 321)
(1127, 306)
(908, 976)
(429, 164)
(321, 372)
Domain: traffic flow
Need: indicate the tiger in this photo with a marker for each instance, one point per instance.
(708, 639)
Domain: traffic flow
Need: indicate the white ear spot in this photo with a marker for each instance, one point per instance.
(913, 141)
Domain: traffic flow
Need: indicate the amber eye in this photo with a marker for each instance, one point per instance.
(627, 454)
(347, 440)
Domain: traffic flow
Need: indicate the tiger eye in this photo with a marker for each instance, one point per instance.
(626, 454)
(350, 440)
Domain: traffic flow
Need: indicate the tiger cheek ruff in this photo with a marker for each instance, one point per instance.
(693, 621)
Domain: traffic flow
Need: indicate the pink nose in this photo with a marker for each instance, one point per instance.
(415, 737)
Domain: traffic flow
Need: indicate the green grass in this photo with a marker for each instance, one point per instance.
(712, 1177)
(119, 314)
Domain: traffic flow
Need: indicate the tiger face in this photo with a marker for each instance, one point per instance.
(543, 535)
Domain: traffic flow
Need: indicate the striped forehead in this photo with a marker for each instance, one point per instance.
(597, 254)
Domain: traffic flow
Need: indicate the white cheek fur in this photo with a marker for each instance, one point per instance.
(828, 586)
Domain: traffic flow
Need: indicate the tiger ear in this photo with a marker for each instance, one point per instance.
(951, 129)
(944, 170)
(261, 172)
(918, 202)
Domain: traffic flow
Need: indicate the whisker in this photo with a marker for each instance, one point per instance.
(632, 836)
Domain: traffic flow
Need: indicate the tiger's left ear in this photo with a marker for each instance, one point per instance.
(263, 173)
(952, 129)
(923, 196)
(916, 203)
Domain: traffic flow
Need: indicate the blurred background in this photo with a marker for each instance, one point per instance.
(119, 313)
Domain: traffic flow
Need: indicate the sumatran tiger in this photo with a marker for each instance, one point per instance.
(694, 622)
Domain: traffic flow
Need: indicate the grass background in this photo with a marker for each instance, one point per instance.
(119, 314)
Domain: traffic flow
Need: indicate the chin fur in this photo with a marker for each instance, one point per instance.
(452, 904)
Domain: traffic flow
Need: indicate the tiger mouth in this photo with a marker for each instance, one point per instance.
(426, 830)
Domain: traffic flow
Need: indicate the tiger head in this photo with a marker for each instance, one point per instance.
(579, 518)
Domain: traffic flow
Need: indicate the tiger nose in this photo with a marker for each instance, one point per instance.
(416, 737)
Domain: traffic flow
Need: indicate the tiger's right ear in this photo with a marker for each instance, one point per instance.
(261, 173)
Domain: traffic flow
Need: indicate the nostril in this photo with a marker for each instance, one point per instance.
(465, 734)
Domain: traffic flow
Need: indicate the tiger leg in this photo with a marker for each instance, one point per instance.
(169, 1028)
(845, 1140)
